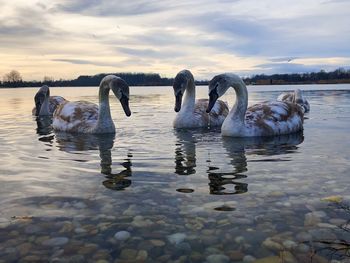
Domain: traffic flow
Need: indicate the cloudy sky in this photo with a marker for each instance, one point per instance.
(65, 39)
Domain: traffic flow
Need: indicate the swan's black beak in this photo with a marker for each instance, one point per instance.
(213, 96)
(125, 104)
(178, 101)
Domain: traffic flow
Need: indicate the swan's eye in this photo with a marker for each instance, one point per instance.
(217, 85)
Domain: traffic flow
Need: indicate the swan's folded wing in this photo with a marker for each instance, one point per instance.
(220, 108)
(75, 116)
(275, 117)
(55, 101)
(217, 114)
(286, 96)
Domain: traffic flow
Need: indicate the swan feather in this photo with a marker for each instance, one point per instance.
(77, 117)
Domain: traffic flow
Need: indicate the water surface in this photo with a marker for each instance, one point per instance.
(187, 195)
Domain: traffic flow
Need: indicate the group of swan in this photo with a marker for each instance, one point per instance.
(282, 116)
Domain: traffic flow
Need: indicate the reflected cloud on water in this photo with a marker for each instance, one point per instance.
(237, 149)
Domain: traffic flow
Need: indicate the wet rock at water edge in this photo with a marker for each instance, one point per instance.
(322, 234)
(32, 229)
(312, 219)
(80, 230)
(272, 245)
(128, 254)
(140, 221)
(183, 248)
(235, 255)
(289, 244)
(31, 258)
(239, 239)
(79, 205)
(303, 248)
(24, 248)
(248, 258)
(218, 258)
(56, 241)
(122, 235)
(176, 238)
(4, 222)
(142, 255)
(157, 242)
(270, 259)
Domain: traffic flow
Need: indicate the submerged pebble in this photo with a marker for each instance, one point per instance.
(122, 235)
(218, 258)
(56, 241)
(176, 238)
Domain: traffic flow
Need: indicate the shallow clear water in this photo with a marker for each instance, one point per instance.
(191, 196)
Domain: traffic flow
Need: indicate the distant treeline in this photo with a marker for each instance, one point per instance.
(334, 77)
(153, 79)
(133, 79)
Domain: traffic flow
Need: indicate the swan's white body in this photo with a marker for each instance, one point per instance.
(44, 103)
(295, 97)
(263, 119)
(192, 113)
(87, 117)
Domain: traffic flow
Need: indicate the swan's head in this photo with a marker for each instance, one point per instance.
(217, 87)
(121, 90)
(39, 98)
(181, 81)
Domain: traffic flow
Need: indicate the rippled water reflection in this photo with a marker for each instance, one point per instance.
(151, 193)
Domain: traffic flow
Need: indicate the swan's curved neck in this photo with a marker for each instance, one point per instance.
(239, 109)
(190, 96)
(104, 122)
(45, 109)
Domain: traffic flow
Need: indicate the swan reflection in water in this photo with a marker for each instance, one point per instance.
(237, 149)
(44, 128)
(104, 143)
(185, 152)
(73, 143)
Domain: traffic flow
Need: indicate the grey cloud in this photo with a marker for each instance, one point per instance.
(22, 24)
(309, 35)
(273, 68)
(114, 8)
(278, 37)
(283, 59)
(149, 52)
(41, 5)
(335, 1)
(88, 62)
(73, 61)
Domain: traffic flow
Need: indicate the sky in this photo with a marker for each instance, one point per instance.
(64, 39)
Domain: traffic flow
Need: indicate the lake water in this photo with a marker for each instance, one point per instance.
(154, 194)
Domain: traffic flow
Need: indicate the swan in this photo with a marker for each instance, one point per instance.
(263, 119)
(44, 103)
(295, 97)
(87, 117)
(192, 113)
